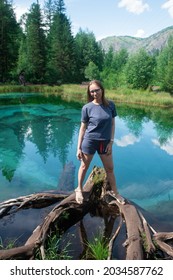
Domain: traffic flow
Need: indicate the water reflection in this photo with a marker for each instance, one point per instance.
(38, 138)
(135, 118)
(168, 146)
(34, 143)
(143, 155)
(126, 140)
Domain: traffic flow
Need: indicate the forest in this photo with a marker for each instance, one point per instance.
(41, 45)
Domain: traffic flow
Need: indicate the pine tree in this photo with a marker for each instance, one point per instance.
(61, 60)
(36, 45)
(60, 7)
(22, 58)
(9, 44)
(49, 9)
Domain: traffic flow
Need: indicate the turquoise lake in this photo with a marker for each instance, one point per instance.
(38, 139)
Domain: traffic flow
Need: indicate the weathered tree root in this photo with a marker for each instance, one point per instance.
(38, 200)
(160, 239)
(141, 241)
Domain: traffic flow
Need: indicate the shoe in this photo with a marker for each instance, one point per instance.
(117, 197)
(79, 196)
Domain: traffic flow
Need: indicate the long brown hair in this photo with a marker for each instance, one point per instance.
(99, 84)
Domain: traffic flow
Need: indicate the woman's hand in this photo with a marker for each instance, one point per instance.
(79, 154)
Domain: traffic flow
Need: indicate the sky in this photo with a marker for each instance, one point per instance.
(137, 18)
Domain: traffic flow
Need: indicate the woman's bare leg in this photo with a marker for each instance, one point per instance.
(85, 162)
(109, 168)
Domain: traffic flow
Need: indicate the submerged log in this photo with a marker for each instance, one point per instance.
(139, 237)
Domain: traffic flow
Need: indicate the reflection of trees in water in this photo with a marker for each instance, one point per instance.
(12, 146)
(50, 134)
(163, 121)
(135, 117)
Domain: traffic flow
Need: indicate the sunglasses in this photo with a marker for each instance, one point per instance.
(95, 90)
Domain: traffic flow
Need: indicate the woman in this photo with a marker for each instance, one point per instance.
(97, 134)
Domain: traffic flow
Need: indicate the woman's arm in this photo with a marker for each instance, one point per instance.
(80, 138)
(113, 130)
(109, 146)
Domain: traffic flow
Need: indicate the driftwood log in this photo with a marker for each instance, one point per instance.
(141, 240)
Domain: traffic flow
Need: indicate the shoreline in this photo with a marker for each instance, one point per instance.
(77, 93)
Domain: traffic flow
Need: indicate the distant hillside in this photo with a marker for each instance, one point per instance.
(152, 43)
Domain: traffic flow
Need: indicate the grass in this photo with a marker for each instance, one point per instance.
(10, 244)
(52, 250)
(97, 249)
(142, 97)
(77, 93)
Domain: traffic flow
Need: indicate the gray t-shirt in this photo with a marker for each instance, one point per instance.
(99, 120)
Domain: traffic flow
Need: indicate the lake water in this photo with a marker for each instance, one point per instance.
(38, 139)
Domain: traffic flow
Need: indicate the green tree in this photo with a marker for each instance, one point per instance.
(22, 58)
(49, 9)
(139, 69)
(114, 64)
(161, 64)
(36, 48)
(87, 50)
(168, 84)
(164, 69)
(60, 6)
(92, 72)
(9, 43)
(120, 59)
(108, 58)
(61, 58)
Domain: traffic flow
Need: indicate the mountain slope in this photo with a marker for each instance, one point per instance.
(152, 43)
